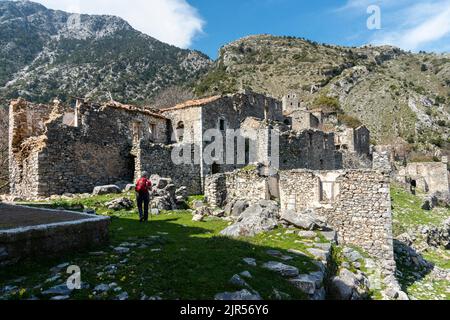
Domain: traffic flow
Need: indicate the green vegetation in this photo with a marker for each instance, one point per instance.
(327, 104)
(191, 199)
(349, 121)
(217, 80)
(408, 213)
(249, 168)
(180, 259)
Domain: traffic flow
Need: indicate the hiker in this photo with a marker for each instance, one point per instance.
(143, 186)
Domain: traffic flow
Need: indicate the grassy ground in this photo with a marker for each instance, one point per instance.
(179, 259)
(173, 257)
(408, 215)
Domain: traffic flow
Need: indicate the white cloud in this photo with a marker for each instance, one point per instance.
(408, 24)
(418, 27)
(172, 21)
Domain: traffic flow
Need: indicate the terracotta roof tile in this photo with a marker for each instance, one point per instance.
(133, 108)
(193, 103)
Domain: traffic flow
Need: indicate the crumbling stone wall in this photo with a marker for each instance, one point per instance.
(157, 159)
(309, 149)
(354, 140)
(429, 176)
(304, 120)
(26, 130)
(240, 184)
(381, 160)
(57, 158)
(185, 125)
(356, 203)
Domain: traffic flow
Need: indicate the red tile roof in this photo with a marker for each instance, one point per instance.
(193, 103)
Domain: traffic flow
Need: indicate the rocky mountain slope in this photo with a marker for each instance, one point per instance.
(46, 53)
(395, 93)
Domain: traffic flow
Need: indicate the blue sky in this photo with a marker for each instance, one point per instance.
(206, 25)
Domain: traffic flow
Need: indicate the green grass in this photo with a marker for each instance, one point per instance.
(193, 261)
(192, 199)
(408, 214)
(438, 257)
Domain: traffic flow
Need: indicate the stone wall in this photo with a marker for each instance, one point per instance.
(356, 203)
(304, 120)
(381, 160)
(355, 140)
(429, 176)
(157, 159)
(60, 158)
(224, 188)
(26, 130)
(52, 239)
(310, 149)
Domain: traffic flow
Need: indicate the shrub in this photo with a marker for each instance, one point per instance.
(328, 104)
(349, 121)
(418, 157)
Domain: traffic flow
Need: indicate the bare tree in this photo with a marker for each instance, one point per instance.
(171, 97)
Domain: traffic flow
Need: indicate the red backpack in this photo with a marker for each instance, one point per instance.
(142, 185)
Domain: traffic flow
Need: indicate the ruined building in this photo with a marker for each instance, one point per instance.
(355, 203)
(427, 177)
(350, 142)
(56, 149)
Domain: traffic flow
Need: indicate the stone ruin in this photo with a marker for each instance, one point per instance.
(58, 149)
(428, 177)
(354, 203)
(349, 207)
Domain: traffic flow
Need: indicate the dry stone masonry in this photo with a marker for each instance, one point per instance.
(57, 149)
(355, 203)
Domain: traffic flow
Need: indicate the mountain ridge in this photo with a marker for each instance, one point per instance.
(410, 91)
(49, 53)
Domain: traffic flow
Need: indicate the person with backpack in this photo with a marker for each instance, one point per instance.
(143, 187)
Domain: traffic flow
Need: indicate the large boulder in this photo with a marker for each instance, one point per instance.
(443, 199)
(100, 190)
(239, 207)
(159, 182)
(430, 202)
(307, 219)
(349, 286)
(161, 203)
(352, 255)
(257, 218)
(281, 268)
(244, 295)
(181, 195)
(120, 204)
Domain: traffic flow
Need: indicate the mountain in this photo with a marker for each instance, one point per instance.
(46, 53)
(395, 93)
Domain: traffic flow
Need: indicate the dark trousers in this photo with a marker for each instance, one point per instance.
(143, 200)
